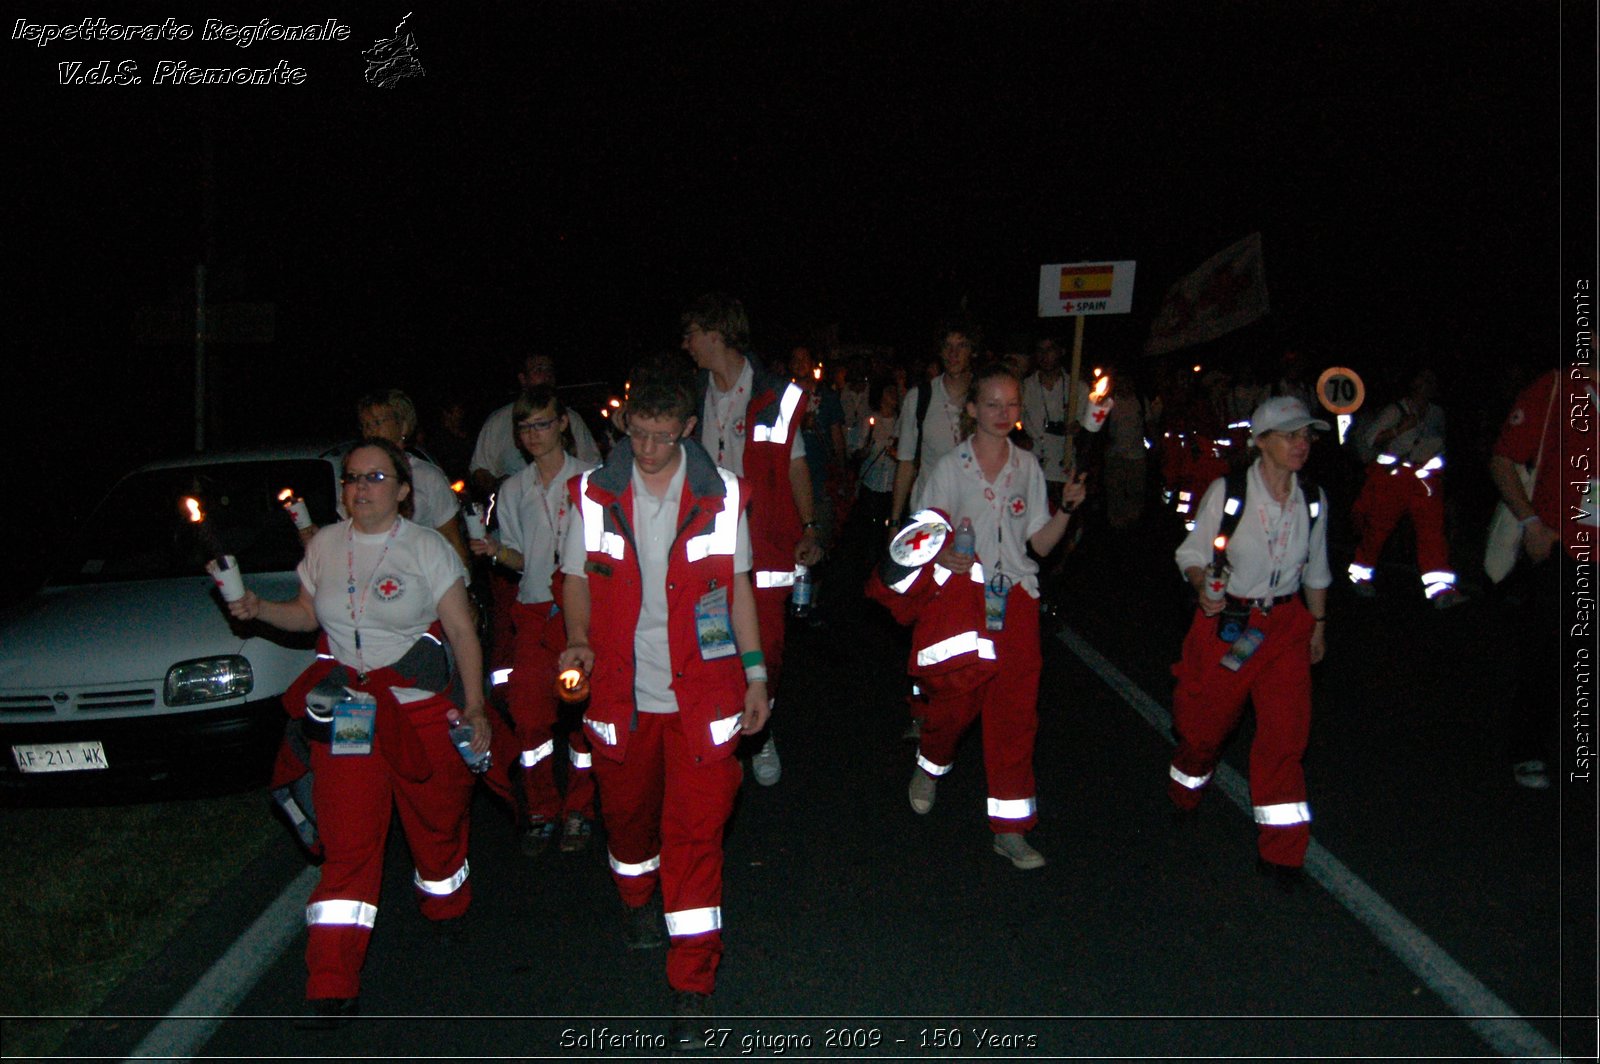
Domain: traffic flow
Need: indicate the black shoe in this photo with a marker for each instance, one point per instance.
(691, 1013)
(451, 931)
(1287, 878)
(641, 927)
(327, 1014)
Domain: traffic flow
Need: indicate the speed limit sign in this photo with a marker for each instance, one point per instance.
(1340, 390)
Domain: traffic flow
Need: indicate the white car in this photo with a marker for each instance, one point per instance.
(125, 666)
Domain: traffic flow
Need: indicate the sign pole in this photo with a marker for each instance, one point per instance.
(1069, 411)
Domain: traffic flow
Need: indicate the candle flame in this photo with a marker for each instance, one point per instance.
(872, 421)
(286, 494)
(1197, 367)
(1101, 388)
(1221, 542)
(616, 404)
(192, 506)
(570, 678)
(458, 487)
(816, 372)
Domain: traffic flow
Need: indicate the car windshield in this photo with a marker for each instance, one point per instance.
(142, 530)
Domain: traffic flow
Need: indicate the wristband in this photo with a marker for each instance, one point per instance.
(755, 673)
(752, 659)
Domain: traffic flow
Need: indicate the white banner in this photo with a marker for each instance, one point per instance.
(1228, 291)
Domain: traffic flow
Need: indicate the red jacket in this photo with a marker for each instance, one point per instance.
(951, 649)
(777, 408)
(710, 694)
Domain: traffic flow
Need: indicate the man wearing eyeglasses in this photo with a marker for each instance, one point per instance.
(750, 425)
(661, 615)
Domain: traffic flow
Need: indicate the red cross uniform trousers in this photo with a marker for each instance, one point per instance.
(1396, 489)
(1207, 705)
(413, 767)
(541, 636)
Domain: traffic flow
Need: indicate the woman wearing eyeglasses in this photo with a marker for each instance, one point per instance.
(534, 513)
(382, 590)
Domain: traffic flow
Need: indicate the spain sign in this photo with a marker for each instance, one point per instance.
(1070, 289)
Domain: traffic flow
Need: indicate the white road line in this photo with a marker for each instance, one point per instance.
(1491, 1019)
(213, 998)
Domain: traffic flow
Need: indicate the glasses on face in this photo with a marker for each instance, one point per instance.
(374, 477)
(658, 439)
(542, 425)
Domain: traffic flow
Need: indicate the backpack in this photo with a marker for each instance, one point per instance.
(1234, 485)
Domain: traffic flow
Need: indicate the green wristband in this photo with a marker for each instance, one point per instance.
(752, 657)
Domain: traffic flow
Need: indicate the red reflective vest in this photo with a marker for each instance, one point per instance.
(710, 694)
(776, 411)
(951, 649)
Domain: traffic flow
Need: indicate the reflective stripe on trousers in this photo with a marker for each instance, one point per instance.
(338, 912)
(442, 886)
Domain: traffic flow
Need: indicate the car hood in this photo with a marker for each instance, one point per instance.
(121, 633)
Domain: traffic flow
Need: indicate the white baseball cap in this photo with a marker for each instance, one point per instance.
(1282, 413)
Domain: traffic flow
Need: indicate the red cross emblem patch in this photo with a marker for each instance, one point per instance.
(1018, 506)
(390, 588)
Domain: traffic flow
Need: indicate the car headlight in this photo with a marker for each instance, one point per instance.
(208, 680)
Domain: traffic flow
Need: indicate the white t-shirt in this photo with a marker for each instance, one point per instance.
(1267, 557)
(878, 464)
(723, 427)
(655, 525)
(1041, 405)
(1005, 512)
(399, 578)
(497, 451)
(533, 521)
(943, 425)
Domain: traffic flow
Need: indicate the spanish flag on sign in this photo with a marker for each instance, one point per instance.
(1087, 282)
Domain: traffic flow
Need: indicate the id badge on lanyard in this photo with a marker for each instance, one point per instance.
(714, 625)
(355, 719)
(994, 602)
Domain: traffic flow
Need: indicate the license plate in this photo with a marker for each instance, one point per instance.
(60, 757)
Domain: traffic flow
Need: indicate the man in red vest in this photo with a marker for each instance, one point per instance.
(661, 616)
(750, 425)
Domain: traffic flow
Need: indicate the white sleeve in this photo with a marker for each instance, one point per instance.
(484, 452)
(741, 550)
(1317, 574)
(935, 490)
(441, 566)
(573, 554)
(908, 429)
(1037, 498)
(509, 504)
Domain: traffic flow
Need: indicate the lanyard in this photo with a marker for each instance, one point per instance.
(356, 613)
(1277, 538)
(722, 405)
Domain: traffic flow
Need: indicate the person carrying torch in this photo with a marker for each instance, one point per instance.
(1258, 561)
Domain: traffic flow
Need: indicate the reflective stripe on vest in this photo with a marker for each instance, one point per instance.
(1194, 783)
(442, 886)
(622, 868)
(723, 536)
(975, 574)
(498, 677)
(725, 729)
(1281, 816)
(965, 643)
(595, 537)
(532, 757)
(1359, 574)
(904, 584)
(341, 913)
(694, 921)
(581, 759)
(774, 577)
(779, 432)
(1012, 808)
(604, 729)
(930, 768)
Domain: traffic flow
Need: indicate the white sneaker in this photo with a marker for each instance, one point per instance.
(922, 790)
(765, 765)
(1014, 848)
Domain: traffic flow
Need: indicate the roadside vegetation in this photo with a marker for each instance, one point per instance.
(93, 893)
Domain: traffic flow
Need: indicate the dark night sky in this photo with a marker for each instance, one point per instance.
(568, 175)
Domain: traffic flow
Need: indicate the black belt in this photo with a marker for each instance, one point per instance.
(1264, 605)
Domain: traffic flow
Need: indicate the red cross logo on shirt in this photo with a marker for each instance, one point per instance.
(390, 588)
(1019, 506)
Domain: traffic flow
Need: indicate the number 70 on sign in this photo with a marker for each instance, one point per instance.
(1340, 390)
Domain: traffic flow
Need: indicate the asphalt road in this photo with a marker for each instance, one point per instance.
(855, 928)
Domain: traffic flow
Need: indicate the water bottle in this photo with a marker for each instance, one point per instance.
(461, 735)
(966, 541)
(800, 594)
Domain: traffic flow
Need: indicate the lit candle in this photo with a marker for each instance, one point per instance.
(296, 507)
(1100, 403)
(222, 566)
(572, 685)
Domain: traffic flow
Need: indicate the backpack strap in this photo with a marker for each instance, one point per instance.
(1234, 485)
(924, 400)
